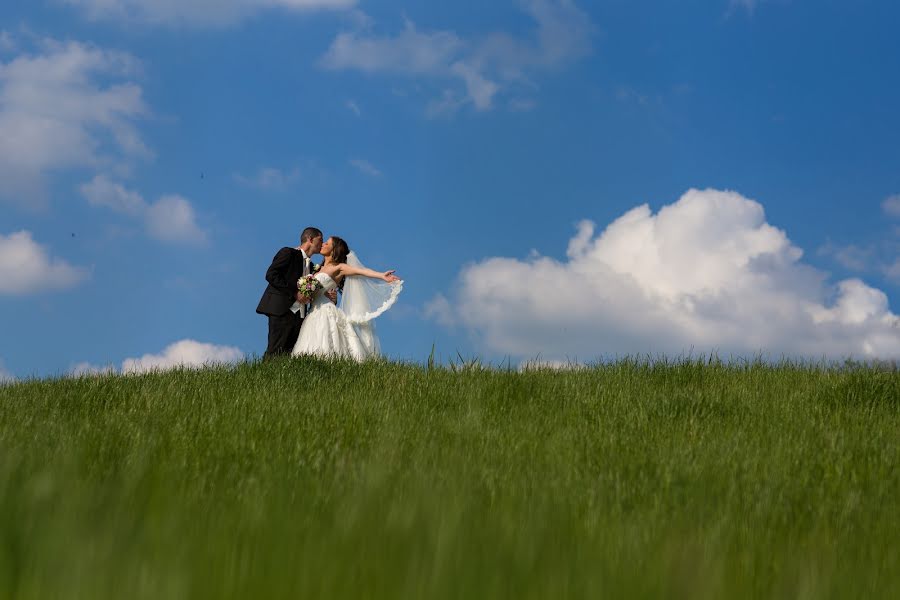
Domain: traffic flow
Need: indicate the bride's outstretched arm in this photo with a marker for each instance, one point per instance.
(384, 276)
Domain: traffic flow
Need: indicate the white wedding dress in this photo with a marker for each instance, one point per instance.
(328, 332)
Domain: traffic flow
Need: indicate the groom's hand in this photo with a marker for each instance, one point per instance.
(332, 295)
(301, 298)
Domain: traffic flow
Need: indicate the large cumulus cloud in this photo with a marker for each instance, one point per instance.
(706, 273)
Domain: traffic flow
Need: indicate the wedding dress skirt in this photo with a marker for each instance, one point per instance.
(327, 332)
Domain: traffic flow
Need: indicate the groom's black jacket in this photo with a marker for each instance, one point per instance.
(282, 275)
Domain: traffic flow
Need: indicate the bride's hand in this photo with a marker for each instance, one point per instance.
(389, 277)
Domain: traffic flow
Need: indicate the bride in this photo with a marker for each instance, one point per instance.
(346, 331)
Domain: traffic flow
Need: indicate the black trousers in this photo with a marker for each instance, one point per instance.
(283, 333)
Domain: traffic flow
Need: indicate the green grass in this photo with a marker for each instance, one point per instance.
(307, 479)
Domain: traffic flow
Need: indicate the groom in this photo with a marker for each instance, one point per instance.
(281, 301)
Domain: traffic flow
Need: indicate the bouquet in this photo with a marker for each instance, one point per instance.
(308, 285)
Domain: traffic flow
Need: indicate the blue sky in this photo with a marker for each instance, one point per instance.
(526, 166)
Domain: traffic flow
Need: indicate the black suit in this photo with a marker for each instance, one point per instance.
(276, 301)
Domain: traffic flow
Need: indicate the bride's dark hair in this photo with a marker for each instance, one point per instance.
(339, 249)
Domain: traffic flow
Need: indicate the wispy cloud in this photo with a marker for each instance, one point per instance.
(353, 107)
(892, 271)
(629, 95)
(471, 70)
(447, 105)
(365, 167)
(197, 13)
(410, 52)
(891, 206)
(748, 5)
(101, 191)
(851, 256)
(270, 178)
(879, 256)
(171, 218)
(7, 42)
(522, 104)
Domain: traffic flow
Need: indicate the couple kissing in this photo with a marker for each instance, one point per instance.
(301, 300)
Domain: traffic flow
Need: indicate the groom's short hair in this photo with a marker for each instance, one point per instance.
(310, 233)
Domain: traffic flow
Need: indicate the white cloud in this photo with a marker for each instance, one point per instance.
(851, 257)
(892, 271)
(365, 167)
(878, 258)
(537, 364)
(478, 69)
(480, 90)
(746, 6)
(100, 191)
(197, 12)
(269, 178)
(172, 219)
(628, 95)
(67, 106)
(353, 107)
(891, 205)
(185, 353)
(410, 52)
(169, 219)
(7, 43)
(5, 376)
(706, 272)
(440, 310)
(27, 268)
(522, 104)
(83, 369)
(447, 105)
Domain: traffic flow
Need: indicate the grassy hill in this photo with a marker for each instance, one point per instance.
(305, 479)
